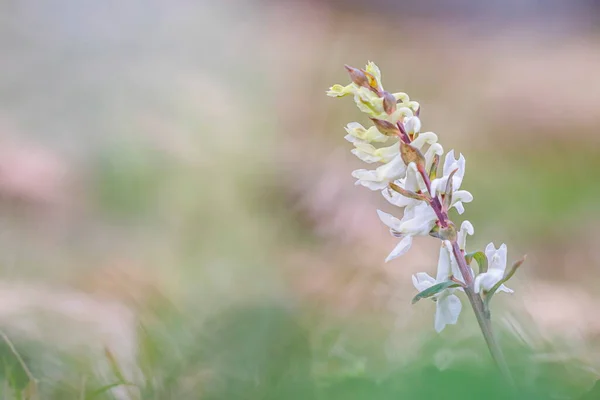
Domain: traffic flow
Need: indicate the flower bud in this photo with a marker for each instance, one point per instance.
(385, 127)
(444, 233)
(412, 154)
(357, 76)
(389, 102)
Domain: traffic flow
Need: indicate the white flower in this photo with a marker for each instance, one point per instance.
(438, 185)
(395, 169)
(423, 139)
(434, 149)
(447, 304)
(496, 267)
(417, 220)
(370, 154)
(412, 125)
(466, 228)
(380, 178)
(458, 198)
(412, 182)
(358, 133)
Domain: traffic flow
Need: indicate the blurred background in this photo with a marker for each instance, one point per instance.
(177, 209)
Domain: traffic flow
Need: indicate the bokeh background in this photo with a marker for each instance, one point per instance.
(176, 198)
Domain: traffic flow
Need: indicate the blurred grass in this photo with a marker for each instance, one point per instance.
(263, 351)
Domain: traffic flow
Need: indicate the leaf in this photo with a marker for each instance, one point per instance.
(385, 127)
(481, 259)
(412, 154)
(389, 102)
(433, 290)
(357, 76)
(406, 193)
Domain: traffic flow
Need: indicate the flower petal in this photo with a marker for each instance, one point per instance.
(401, 248)
(490, 250)
(459, 207)
(463, 196)
(487, 280)
(466, 229)
(424, 138)
(447, 311)
(422, 281)
(397, 199)
(443, 269)
(389, 220)
(505, 289)
(412, 125)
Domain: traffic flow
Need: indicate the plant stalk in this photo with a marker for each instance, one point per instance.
(481, 312)
(482, 315)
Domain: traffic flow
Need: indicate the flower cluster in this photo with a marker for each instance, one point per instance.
(409, 177)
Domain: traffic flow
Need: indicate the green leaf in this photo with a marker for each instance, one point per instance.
(481, 259)
(433, 290)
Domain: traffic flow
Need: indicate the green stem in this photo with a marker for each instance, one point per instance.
(482, 314)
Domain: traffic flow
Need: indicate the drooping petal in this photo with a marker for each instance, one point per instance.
(358, 133)
(462, 196)
(466, 229)
(423, 139)
(434, 149)
(452, 259)
(447, 310)
(418, 220)
(389, 220)
(422, 281)
(443, 268)
(401, 248)
(370, 154)
(459, 207)
(505, 289)
(379, 178)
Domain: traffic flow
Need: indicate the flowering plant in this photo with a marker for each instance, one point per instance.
(409, 177)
